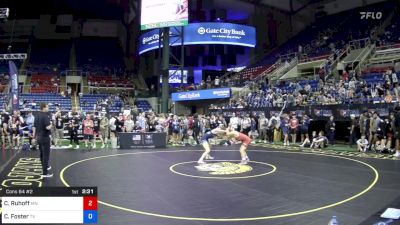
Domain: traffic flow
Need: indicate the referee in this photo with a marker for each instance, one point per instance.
(41, 131)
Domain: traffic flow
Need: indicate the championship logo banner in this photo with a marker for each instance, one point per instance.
(224, 168)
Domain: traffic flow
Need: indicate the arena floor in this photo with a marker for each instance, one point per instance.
(162, 187)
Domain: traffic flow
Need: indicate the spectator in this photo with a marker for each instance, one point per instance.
(246, 124)
(373, 128)
(88, 130)
(362, 144)
(354, 124)
(129, 124)
(285, 130)
(294, 125)
(305, 123)
(263, 128)
(320, 141)
(395, 80)
(217, 81)
(330, 130)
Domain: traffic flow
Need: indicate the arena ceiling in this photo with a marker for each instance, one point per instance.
(286, 4)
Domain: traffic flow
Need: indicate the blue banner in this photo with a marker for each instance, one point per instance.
(202, 94)
(14, 85)
(203, 33)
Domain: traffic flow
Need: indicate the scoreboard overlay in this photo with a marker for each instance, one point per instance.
(49, 205)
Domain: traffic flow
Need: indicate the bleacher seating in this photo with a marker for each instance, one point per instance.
(109, 81)
(89, 101)
(44, 83)
(3, 102)
(32, 101)
(253, 72)
(143, 105)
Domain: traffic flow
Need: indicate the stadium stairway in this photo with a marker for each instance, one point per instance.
(85, 84)
(63, 84)
(27, 85)
(75, 102)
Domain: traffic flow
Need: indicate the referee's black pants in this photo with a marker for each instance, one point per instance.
(44, 148)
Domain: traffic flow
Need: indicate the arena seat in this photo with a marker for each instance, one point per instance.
(144, 105)
(32, 101)
(89, 101)
(109, 81)
(3, 101)
(44, 83)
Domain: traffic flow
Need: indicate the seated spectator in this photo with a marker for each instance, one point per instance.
(362, 144)
(319, 142)
(307, 141)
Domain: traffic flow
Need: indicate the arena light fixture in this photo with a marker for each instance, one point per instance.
(4, 13)
(13, 56)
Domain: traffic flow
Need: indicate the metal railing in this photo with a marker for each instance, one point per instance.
(28, 89)
(285, 68)
(316, 58)
(360, 43)
(363, 58)
(387, 47)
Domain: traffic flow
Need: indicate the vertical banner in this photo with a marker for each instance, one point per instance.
(14, 85)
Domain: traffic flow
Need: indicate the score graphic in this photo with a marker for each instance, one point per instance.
(50, 205)
(90, 210)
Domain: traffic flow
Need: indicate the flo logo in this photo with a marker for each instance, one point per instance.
(201, 30)
(371, 15)
(224, 168)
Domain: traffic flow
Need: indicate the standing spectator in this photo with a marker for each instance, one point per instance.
(373, 129)
(285, 130)
(263, 128)
(196, 128)
(294, 125)
(235, 122)
(253, 134)
(176, 129)
(96, 129)
(208, 82)
(73, 126)
(330, 130)
(104, 130)
(362, 123)
(397, 130)
(59, 124)
(353, 130)
(246, 125)
(41, 132)
(305, 123)
(142, 122)
(5, 120)
(88, 130)
(395, 80)
(217, 81)
(129, 124)
(30, 120)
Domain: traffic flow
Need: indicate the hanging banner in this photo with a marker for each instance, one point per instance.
(203, 34)
(317, 112)
(14, 85)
